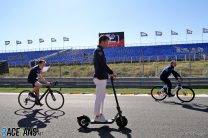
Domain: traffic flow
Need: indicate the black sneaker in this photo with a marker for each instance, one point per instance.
(171, 95)
(31, 94)
(38, 103)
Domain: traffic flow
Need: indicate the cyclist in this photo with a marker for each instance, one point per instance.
(34, 78)
(166, 73)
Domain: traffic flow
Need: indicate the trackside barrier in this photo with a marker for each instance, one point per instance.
(119, 82)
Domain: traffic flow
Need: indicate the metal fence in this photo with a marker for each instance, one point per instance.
(119, 82)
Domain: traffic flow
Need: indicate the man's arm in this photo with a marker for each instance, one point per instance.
(176, 74)
(42, 78)
(100, 57)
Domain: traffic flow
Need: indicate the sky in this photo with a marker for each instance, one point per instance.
(82, 20)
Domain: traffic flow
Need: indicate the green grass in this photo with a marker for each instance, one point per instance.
(199, 68)
(92, 90)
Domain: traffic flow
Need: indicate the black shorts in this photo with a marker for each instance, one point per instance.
(167, 82)
(32, 82)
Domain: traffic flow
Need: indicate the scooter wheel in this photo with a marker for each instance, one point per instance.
(83, 121)
(121, 121)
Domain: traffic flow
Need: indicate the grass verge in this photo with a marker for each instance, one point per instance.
(92, 90)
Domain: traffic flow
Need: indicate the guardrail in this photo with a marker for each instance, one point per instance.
(119, 82)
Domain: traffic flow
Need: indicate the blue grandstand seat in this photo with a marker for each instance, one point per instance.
(121, 54)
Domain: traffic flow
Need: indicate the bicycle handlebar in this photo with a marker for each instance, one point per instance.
(52, 84)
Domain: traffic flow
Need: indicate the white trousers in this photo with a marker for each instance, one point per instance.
(100, 95)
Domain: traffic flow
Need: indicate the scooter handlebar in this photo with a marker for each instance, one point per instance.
(112, 78)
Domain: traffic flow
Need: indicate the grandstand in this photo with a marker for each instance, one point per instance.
(196, 51)
(23, 58)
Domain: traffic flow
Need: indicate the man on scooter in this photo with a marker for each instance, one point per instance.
(100, 77)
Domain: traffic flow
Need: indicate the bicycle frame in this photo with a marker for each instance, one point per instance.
(178, 86)
(48, 90)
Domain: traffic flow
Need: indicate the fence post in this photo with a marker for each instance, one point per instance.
(156, 71)
(60, 70)
(23, 71)
(142, 60)
(15, 75)
(189, 63)
(60, 75)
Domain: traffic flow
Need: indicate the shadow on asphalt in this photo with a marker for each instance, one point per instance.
(105, 131)
(190, 106)
(35, 118)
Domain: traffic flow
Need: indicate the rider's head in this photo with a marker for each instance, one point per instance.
(173, 63)
(41, 63)
(103, 41)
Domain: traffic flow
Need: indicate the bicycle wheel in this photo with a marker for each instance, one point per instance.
(186, 94)
(26, 101)
(54, 100)
(158, 94)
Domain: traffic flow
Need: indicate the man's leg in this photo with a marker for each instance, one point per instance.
(98, 97)
(103, 92)
(169, 85)
(37, 87)
(99, 101)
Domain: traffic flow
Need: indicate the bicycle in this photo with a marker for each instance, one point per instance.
(183, 93)
(53, 98)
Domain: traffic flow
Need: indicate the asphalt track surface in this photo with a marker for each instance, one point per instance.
(146, 118)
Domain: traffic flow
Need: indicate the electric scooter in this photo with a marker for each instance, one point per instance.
(120, 120)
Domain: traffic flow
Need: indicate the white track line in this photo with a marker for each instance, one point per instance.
(140, 95)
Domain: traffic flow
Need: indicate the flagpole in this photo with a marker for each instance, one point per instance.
(16, 46)
(155, 39)
(186, 37)
(5, 48)
(63, 44)
(39, 45)
(51, 45)
(202, 37)
(27, 46)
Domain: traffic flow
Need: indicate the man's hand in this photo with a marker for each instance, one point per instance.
(114, 75)
(180, 80)
(48, 83)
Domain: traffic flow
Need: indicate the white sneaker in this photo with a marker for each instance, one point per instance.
(100, 118)
(103, 118)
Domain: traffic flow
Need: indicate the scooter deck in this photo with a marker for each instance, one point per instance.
(110, 121)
